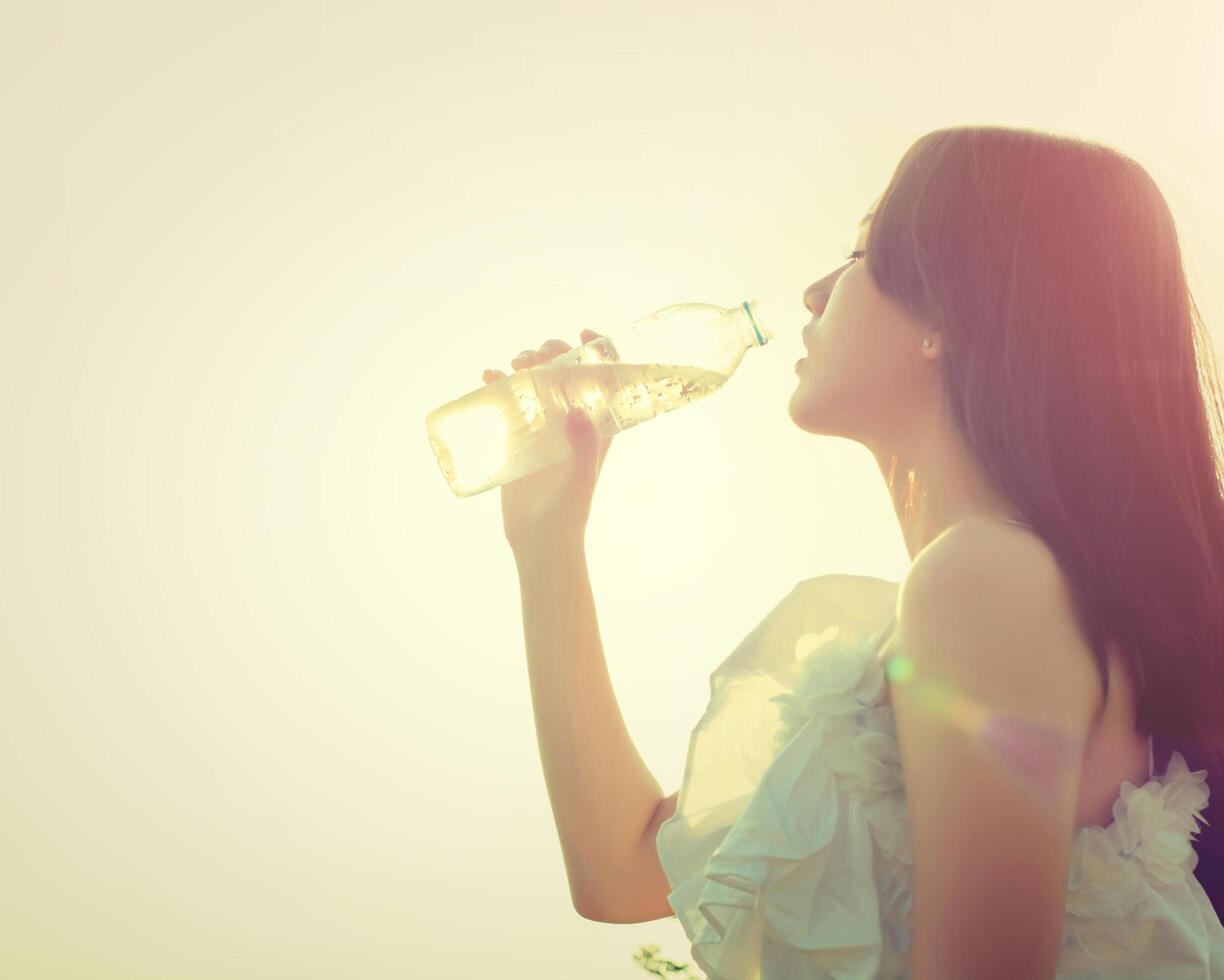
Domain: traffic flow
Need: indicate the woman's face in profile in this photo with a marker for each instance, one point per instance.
(866, 371)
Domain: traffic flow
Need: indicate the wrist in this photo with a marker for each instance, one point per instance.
(548, 548)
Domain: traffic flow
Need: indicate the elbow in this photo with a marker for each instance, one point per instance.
(601, 910)
(589, 913)
(623, 916)
(590, 909)
(587, 903)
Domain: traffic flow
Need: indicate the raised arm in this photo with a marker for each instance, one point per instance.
(605, 802)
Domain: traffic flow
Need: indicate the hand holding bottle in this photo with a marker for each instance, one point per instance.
(553, 502)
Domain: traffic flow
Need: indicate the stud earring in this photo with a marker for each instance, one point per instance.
(927, 342)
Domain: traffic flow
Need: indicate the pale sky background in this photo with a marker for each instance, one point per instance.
(264, 709)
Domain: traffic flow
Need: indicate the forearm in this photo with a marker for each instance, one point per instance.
(602, 794)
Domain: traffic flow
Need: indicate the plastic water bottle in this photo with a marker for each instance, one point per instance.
(514, 426)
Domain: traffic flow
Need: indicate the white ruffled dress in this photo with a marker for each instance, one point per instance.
(789, 855)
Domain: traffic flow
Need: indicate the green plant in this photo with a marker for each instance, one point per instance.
(648, 959)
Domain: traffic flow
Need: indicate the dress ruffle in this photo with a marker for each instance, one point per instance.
(1119, 873)
(789, 851)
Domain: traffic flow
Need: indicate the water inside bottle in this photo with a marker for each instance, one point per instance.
(506, 430)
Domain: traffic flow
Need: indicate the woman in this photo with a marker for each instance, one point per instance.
(997, 767)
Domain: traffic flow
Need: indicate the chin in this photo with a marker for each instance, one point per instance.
(803, 413)
(811, 415)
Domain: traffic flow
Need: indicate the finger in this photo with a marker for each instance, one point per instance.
(548, 350)
(490, 375)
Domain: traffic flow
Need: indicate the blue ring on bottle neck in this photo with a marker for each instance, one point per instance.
(760, 339)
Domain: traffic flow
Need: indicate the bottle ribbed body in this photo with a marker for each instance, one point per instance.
(671, 358)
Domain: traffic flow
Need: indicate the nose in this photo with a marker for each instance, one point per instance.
(816, 296)
(813, 300)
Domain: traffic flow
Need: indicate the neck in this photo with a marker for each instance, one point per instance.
(934, 483)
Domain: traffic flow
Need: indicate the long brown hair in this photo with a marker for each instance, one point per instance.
(1080, 375)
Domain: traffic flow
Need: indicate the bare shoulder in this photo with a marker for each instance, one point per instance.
(988, 542)
(989, 601)
(984, 559)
